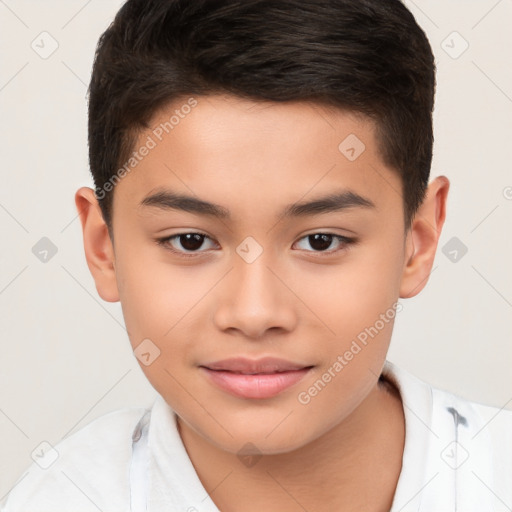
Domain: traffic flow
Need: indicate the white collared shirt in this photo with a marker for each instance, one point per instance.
(457, 458)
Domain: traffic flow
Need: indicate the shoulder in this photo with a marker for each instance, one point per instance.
(82, 471)
(486, 436)
(482, 445)
(442, 401)
(465, 446)
(457, 452)
(495, 423)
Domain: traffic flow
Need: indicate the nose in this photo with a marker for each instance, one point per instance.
(253, 300)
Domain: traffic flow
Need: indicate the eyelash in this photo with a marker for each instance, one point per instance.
(164, 242)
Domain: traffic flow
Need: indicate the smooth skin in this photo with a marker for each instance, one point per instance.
(298, 300)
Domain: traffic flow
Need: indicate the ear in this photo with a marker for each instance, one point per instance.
(99, 250)
(422, 238)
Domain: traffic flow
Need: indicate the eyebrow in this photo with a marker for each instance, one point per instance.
(169, 200)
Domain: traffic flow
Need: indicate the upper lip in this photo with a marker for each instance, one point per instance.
(252, 366)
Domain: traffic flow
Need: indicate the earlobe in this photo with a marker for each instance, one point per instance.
(423, 238)
(99, 251)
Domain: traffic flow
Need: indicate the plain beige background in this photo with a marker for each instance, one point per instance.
(65, 357)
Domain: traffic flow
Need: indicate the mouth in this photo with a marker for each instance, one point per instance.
(254, 379)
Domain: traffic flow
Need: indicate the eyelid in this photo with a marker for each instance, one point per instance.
(344, 240)
(163, 241)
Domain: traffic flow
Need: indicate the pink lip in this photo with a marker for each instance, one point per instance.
(262, 378)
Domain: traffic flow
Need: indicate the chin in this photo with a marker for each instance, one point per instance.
(244, 445)
(264, 438)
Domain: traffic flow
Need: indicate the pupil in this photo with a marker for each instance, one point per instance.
(320, 241)
(191, 241)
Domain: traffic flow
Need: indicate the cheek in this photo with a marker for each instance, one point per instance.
(156, 301)
(153, 293)
(348, 296)
(361, 310)
(139, 304)
(358, 301)
(373, 292)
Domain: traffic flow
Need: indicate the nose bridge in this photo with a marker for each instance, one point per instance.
(255, 282)
(252, 299)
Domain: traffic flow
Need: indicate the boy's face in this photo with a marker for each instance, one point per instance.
(257, 285)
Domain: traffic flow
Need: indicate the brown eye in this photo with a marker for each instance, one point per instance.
(186, 243)
(324, 242)
(191, 241)
(320, 241)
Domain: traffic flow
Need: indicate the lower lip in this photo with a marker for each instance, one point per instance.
(255, 386)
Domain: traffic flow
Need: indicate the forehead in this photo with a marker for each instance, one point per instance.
(253, 153)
